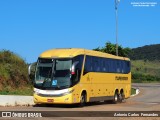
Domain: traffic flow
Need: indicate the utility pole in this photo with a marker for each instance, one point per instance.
(116, 9)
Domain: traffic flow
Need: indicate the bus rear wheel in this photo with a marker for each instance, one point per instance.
(121, 97)
(116, 98)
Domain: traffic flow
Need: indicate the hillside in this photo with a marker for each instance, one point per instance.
(13, 73)
(145, 71)
(148, 52)
(145, 63)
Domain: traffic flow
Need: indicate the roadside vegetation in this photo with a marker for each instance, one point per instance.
(145, 64)
(145, 71)
(133, 91)
(111, 49)
(13, 74)
(28, 90)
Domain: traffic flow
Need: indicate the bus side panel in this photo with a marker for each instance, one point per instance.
(105, 84)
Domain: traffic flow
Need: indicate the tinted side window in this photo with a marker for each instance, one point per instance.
(99, 64)
(95, 64)
(127, 66)
(88, 64)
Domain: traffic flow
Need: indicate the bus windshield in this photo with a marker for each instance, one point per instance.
(53, 73)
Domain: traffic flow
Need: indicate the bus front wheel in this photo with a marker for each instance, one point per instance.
(82, 100)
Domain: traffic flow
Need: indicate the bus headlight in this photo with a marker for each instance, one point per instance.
(67, 92)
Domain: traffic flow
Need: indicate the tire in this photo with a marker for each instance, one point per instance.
(82, 100)
(121, 97)
(116, 98)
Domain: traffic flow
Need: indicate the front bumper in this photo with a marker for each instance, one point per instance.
(66, 99)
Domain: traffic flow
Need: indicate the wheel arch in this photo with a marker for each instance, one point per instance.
(116, 91)
(121, 90)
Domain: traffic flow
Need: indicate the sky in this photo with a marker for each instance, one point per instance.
(29, 27)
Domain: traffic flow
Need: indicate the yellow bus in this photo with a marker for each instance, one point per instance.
(69, 76)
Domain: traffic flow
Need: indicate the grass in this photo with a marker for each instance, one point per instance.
(27, 91)
(133, 91)
(146, 67)
(144, 71)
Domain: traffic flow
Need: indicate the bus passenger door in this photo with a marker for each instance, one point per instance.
(87, 83)
(87, 77)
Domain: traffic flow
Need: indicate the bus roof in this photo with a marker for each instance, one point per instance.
(71, 52)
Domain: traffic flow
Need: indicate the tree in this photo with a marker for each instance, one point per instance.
(111, 49)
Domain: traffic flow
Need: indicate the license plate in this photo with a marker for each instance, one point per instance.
(50, 100)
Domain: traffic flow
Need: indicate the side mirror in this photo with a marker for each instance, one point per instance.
(31, 71)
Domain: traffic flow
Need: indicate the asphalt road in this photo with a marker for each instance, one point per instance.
(147, 100)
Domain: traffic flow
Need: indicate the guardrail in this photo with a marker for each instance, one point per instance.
(16, 100)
